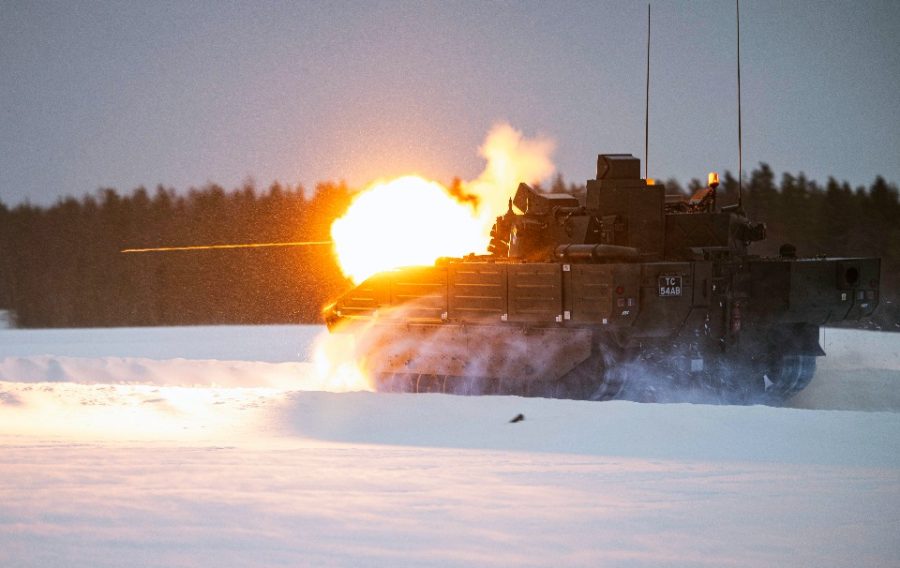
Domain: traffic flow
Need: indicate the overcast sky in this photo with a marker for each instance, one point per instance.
(103, 94)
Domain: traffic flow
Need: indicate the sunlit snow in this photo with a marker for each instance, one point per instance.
(214, 446)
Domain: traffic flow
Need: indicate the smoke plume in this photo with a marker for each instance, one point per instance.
(410, 221)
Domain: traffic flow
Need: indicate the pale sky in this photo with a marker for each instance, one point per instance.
(123, 94)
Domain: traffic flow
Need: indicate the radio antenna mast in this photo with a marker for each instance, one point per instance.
(737, 4)
(647, 104)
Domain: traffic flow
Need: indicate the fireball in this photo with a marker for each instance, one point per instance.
(411, 221)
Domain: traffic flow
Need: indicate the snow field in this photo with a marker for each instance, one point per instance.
(217, 446)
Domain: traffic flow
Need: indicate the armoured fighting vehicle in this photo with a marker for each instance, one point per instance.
(620, 293)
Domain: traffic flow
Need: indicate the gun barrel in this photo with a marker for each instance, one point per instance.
(226, 246)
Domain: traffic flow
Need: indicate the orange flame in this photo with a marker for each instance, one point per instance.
(411, 221)
(405, 222)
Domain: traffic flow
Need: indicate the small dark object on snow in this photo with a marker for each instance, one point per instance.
(517, 418)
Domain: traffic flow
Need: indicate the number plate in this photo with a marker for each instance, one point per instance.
(669, 286)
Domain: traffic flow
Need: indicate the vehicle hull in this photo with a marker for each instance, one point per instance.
(588, 330)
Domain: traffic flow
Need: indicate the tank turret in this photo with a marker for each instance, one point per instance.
(622, 210)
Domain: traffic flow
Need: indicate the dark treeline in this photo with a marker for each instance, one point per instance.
(60, 266)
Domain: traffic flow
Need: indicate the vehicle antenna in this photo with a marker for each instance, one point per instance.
(737, 4)
(647, 104)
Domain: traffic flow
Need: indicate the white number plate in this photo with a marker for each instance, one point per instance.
(669, 286)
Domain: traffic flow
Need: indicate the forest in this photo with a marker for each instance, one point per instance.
(61, 266)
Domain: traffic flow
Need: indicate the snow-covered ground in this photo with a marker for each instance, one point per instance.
(217, 447)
